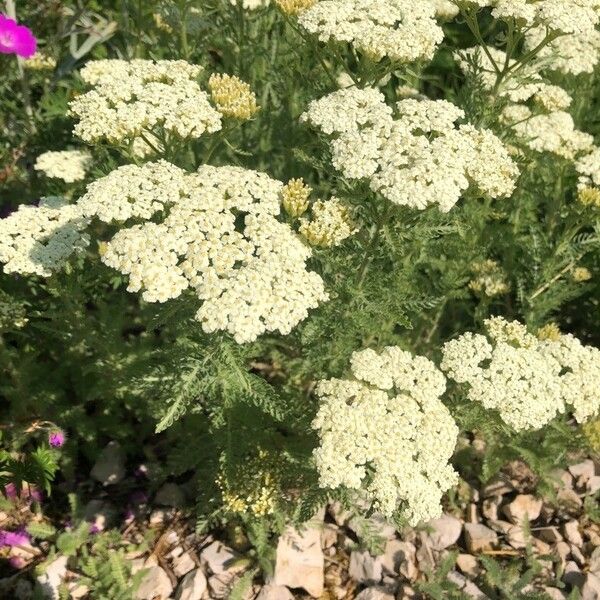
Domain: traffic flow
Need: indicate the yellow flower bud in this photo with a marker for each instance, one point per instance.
(294, 197)
(232, 97)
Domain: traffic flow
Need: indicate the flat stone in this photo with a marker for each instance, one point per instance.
(365, 568)
(400, 558)
(375, 593)
(329, 535)
(110, 465)
(467, 587)
(468, 564)
(445, 532)
(53, 577)
(274, 592)
(591, 587)
(183, 564)
(524, 506)
(154, 584)
(584, 470)
(170, 494)
(299, 560)
(478, 537)
(563, 478)
(595, 561)
(218, 557)
(489, 507)
(498, 486)
(592, 484)
(192, 586)
(572, 533)
(569, 499)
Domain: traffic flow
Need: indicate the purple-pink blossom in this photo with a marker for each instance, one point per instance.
(16, 39)
(13, 538)
(56, 438)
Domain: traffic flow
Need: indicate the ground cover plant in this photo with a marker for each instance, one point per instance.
(263, 257)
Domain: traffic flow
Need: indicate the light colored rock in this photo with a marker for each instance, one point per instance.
(192, 586)
(541, 548)
(497, 486)
(374, 593)
(52, 577)
(299, 560)
(522, 507)
(154, 584)
(591, 588)
(583, 470)
(467, 587)
(365, 568)
(339, 514)
(489, 507)
(183, 564)
(445, 532)
(569, 499)
(425, 557)
(577, 555)
(563, 478)
(329, 535)
(468, 564)
(274, 592)
(399, 557)
(595, 561)
(77, 590)
(572, 533)
(157, 517)
(218, 557)
(110, 465)
(593, 484)
(478, 537)
(170, 494)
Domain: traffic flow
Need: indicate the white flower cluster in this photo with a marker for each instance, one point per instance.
(417, 159)
(551, 130)
(574, 54)
(402, 30)
(68, 165)
(566, 16)
(133, 97)
(133, 191)
(588, 167)
(220, 237)
(38, 240)
(527, 380)
(387, 430)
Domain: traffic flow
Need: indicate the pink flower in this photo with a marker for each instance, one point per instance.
(13, 538)
(16, 39)
(56, 438)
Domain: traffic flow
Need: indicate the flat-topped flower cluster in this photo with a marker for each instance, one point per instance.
(133, 99)
(418, 158)
(526, 379)
(386, 430)
(220, 237)
(402, 30)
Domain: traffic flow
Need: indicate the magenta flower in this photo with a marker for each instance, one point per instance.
(16, 39)
(56, 438)
(13, 538)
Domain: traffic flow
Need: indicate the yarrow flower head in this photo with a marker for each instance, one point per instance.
(489, 279)
(219, 236)
(419, 158)
(40, 62)
(402, 30)
(68, 165)
(131, 98)
(16, 39)
(40, 239)
(526, 379)
(387, 430)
